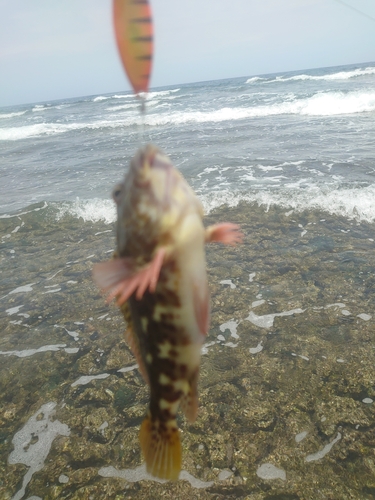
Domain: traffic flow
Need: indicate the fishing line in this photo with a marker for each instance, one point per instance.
(134, 33)
(142, 124)
(356, 10)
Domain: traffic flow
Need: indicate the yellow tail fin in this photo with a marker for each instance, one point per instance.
(161, 447)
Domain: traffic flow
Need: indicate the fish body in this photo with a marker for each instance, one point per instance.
(159, 279)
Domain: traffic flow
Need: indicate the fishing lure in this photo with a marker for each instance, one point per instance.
(134, 36)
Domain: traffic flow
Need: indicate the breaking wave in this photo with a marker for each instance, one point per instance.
(352, 203)
(11, 115)
(320, 104)
(340, 75)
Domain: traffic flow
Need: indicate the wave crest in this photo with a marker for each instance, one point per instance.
(352, 203)
(93, 210)
(339, 75)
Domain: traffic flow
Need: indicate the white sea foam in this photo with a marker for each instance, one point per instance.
(339, 75)
(255, 79)
(128, 369)
(47, 129)
(224, 474)
(100, 98)
(72, 333)
(33, 442)
(321, 453)
(84, 380)
(266, 321)
(364, 316)
(367, 401)
(36, 130)
(300, 356)
(131, 105)
(23, 289)
(228, 282)
(269, 471)
(258, 348)
(139, 474)
(30, 352)
(123, 96)
(231, 326)
(161, 93)
(52, 291)
(320, 104)
(257, 303)
(18, 214)
(336, 103)
(356, 203)
(92, 210)
(115, 96)
(353, 203)
(301, 436)
(13, 310)
(40, 107)
(12, 115)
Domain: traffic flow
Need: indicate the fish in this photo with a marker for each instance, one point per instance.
(159, 279)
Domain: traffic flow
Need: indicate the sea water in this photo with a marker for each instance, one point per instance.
(299, 140)
(290, 157)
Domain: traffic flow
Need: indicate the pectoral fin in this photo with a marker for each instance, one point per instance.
(227, 233)
(121, 279)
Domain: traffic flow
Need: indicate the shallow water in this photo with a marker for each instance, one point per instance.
(287, 384)
(287, 380)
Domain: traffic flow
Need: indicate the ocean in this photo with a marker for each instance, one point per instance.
(287, 381)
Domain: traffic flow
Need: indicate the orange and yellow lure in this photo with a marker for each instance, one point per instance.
(134, 37)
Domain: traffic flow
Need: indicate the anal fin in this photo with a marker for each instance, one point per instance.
(201, 301)
(189, 402)
(133, 342)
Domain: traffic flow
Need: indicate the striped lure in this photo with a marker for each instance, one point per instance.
(134, 37)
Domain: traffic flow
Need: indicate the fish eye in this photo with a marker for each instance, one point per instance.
(116, 193)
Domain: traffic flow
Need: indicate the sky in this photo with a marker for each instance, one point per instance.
(53, 49)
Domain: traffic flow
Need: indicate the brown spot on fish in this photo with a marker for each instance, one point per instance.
(182, 370)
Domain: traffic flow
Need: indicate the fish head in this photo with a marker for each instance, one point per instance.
(150, 180)
(153, 197)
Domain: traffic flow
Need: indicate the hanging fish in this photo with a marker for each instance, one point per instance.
(159, 278)
(134, 37)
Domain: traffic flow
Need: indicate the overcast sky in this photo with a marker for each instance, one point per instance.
(55, 49)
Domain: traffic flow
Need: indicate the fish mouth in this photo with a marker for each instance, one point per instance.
(159, 174)
(155, 159)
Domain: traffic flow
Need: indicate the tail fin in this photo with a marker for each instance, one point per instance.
(161, 447)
